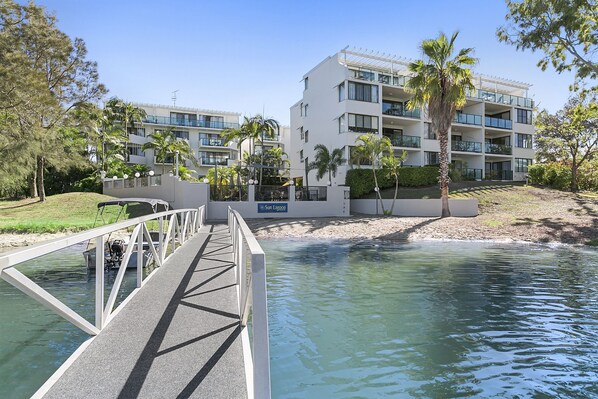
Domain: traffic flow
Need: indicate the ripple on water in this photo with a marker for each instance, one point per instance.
(432, 320)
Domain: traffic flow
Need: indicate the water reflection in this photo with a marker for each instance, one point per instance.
(432, 320)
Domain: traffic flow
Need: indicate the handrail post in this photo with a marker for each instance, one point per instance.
(161, 239)
(261, 347)
(100, 282)
(139, 258)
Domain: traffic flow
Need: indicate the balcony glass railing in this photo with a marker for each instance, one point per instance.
(498, 175)
(214, 161)
(405, 141)
(498, 123)
(212, 142)
(469, 174)
(362, 75)
(500, 98)
(358, 129)
(468, 119)
(466, 146)
(502, 149)
(166, 120)
(389, 110)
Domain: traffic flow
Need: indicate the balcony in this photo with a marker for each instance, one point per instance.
(399, 81)
(466, 146)
(468, 119)
(212, 142)
(500, 98)
(405, 141)
(359, 129)
(214, 161)
(499, 175)
(498, 123)
(389, 109)
(166, 120)
(469, 174)
(501, 149)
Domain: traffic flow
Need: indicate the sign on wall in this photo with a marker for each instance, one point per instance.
(273, 207)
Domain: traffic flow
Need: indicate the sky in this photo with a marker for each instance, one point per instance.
(250, 56)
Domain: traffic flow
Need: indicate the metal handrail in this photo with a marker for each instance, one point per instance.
(252, 299)
(190, 222)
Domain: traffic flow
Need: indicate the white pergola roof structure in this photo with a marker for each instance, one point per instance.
(393, 64)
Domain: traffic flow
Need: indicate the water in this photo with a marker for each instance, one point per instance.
(432, 320)
(34, 341)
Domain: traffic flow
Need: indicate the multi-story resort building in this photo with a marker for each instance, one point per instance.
(200, 128)
(354, 92)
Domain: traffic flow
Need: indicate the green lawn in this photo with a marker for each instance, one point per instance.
(63, 212)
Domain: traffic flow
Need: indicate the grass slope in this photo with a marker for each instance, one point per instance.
(63, 212)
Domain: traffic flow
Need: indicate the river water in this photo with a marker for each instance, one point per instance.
(372, 320)
(432, 320)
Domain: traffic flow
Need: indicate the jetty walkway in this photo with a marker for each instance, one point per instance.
(183, 333)
(179, 337)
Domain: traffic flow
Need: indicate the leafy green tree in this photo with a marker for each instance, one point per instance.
(392, 165)
(273, 164)
(45, 75)
(122, 115)
(570, 135)
(439, 83)
(268, 128)
(371, 147)
(564, 30)
(326, 161)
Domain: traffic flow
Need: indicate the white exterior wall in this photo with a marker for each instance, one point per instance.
(324, 109)
(417, 207)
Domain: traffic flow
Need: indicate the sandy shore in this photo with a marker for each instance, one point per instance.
(12, 241)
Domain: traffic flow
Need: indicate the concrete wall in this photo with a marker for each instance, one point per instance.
(417, 207)
(182, 194)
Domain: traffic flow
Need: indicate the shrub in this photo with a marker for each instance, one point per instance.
(361, 181)
(553, 174)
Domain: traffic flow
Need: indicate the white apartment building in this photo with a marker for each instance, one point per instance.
(201, 128)
(355, 92)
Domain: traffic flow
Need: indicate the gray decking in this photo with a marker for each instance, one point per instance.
(179, 337)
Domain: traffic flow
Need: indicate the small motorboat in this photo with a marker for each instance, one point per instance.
(115, 248)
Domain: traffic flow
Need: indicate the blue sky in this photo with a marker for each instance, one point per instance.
(245, 56)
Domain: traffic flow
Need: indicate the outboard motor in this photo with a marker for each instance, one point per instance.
(117, 250)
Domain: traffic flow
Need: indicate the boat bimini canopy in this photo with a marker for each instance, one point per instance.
(156, 204)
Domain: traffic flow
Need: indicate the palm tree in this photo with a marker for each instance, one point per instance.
(440, 83)
(266, 128)
(161, 142)
(326, 161)
(392, 165)
(126, 114)
(372, 148)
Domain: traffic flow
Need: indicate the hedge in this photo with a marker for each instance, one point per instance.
(558, 175)
(361, 181)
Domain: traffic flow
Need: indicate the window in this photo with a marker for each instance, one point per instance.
(135, 149)
(521, 164)
(301, 132)
(301, 155)
(431, 158)
(213, 158)
(341, 92)
(428, 133)
(306, 136)
(363, 92)
(137, 131)
(305, 110)
(301, 112)
(363, 75)
(306, 81)
(177, 118)
(181, 134)
(523, 140)
(524, 116)
(341, 124)
(363, 123)
(211, 121)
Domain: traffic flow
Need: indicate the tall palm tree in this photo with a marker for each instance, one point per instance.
(440, 83)
(266, 128)
(392, 165)
(161, 142)
(326, 161)
(126, 114)
(372, 148)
